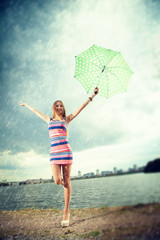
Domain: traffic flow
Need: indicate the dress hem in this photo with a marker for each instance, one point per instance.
(60, 162)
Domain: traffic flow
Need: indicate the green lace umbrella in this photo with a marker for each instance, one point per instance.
(102, 68)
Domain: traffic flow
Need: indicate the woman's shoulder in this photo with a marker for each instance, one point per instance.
(50, 120)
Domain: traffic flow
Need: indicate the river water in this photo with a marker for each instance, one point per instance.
(87, 193)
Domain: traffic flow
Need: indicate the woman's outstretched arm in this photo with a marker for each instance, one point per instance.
(74, 114)
(39, 114)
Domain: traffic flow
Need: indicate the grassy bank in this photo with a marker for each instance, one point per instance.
(129, 222)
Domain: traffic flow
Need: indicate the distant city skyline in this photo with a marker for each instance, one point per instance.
(89, 174)
(115, 170)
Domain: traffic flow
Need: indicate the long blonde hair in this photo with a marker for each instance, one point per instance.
(54, 109)
(64, 112)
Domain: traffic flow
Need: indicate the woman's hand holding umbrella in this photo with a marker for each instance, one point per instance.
(95, 92)
(22, 104)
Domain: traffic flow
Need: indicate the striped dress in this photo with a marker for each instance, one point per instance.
(60, 152)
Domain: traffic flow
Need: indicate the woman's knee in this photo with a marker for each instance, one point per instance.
(67, 183)
(58, 181)
(56, 172)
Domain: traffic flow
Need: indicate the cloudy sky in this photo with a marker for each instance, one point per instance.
(38, 44)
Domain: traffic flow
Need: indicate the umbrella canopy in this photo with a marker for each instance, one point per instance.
(102, 68)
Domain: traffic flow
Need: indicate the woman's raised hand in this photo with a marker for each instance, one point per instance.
(96, 90)
(22, 104)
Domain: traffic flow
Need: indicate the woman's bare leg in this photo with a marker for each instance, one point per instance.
(67, 189)
(56, 171)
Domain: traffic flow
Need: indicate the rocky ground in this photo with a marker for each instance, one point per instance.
(140, 222)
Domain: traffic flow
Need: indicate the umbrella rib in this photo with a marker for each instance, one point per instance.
(112, 74)
(127, 69)
(98, 57)
(90, 62)
(112, 58)
(99, 76)
(115, 77)
(107, 86)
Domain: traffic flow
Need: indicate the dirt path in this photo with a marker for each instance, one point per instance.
(113, 223)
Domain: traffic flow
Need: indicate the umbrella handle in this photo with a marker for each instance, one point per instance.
(95, 92)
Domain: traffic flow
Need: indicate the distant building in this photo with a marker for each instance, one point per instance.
(141, 169)
(135, 167)
(4, 181)
(97, 172)
(79, 174)
(91, 174)
(119, 171)
(33, 181)
(131, 170)
(115, 170)
(14, 183)
(41, 180)
(105, 173)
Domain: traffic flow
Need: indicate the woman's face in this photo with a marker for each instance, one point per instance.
(59, 108)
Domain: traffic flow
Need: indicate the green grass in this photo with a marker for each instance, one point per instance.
(91, 234)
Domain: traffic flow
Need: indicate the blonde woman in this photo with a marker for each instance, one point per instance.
(60, 152)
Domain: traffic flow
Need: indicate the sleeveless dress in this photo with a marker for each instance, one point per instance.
(60, 152)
